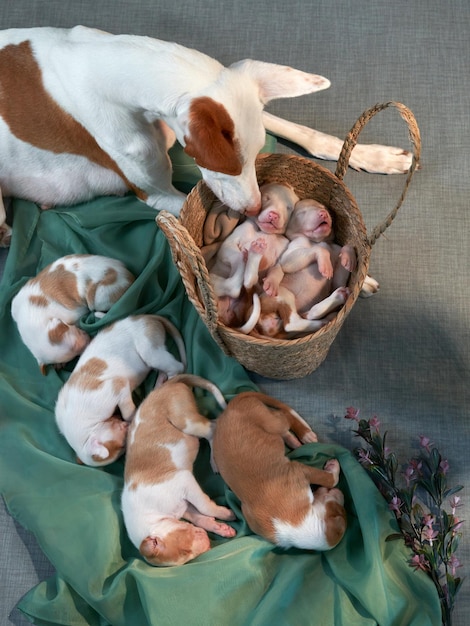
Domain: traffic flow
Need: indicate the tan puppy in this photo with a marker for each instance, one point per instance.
(160, 490)
(116, 361)
(276, 498)
(49, 305)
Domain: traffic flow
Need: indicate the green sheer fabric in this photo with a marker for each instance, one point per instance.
(74, 511)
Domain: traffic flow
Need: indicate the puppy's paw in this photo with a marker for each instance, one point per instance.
(258, 246)
(310, 437)
(332, 466)
(224, 530)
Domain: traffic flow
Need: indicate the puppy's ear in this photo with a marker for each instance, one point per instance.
(151, 547)
(211, 137)
(280, 81)
(97, 450)
(56, 330)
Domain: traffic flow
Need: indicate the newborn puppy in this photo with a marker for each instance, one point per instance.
(160, 490)
(254, 245)
(277, 500)
(115, 362)
(49, 305)
(309, 280)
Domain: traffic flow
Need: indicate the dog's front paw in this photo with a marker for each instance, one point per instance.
(171, 203)
(332, 466)
(378, 159)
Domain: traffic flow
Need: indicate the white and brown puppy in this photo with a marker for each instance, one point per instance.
(255, 245)
(47, 308)
(115, 362)
(166, 513)
(275, 493)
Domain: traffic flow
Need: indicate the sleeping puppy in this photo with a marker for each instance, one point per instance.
(160, 491)
(49, 305)
(309, 281)
(276, 497)
(255, 244)
(115, 362)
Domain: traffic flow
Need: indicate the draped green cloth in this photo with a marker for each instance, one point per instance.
(74, 511)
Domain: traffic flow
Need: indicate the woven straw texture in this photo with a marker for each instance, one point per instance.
(281, 358)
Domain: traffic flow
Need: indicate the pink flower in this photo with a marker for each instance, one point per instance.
(457, 525)
(429, 520)
(374, 423)
(454, 563)
(352, 413)
(419, 561)
(425, 443)
(455, 503)
(394, 505)
(364, 457)
(428, 534)
(409, 474)
(444, 466)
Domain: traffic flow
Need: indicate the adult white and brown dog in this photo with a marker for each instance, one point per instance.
(166, 513)
(85, 113)
(48, 306)
(95, 405)
(275, 493)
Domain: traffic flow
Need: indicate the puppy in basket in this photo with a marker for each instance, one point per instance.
(95, 405)
(47, 308)
(309, 281)
(166, 513)
(276, 496)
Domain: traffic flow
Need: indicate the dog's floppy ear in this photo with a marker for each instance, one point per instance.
(280, 81)
(97, 450)
(56, 329)
(211, 137)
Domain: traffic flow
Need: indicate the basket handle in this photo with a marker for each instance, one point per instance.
(189, 261)
(351, 141)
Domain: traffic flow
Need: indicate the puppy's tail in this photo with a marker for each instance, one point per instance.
(197, 381)
(178, 339)
(251, 322)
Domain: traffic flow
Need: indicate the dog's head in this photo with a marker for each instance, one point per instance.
(106, 443)
(277, 204)
(224, 129)
(310, 219)
(182, 543)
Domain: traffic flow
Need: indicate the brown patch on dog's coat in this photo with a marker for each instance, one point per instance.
(160, 434)
(211, 139)
(28, 109)
(39, 301)
(335, 526)
(87, 377)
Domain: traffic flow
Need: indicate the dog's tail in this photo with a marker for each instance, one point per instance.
(197, 381)
(176, 335)
(251, 322)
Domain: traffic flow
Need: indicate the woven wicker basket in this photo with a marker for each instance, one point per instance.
(291, 358)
